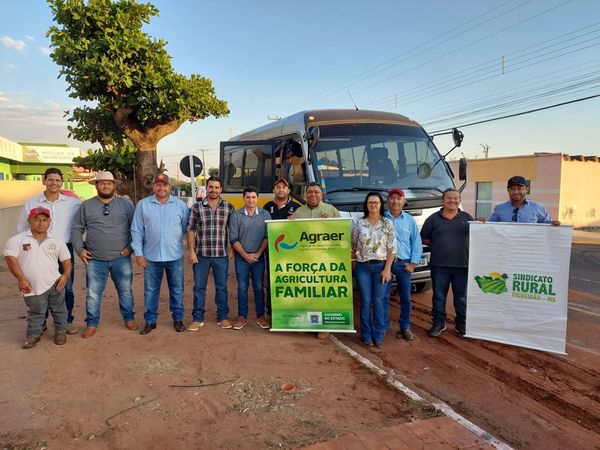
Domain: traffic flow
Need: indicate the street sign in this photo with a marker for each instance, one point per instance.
(184, 166)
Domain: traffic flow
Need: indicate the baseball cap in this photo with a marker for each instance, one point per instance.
(37, 211)
(281, 180)
(398, 191)
(517, 179)
(161, 178)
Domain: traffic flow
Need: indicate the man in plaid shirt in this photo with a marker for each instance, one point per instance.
(208, 246)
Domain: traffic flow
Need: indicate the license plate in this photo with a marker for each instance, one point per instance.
(424, 261)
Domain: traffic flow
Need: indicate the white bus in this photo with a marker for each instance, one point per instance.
(349, 152)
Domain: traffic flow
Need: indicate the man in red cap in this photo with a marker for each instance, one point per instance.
(409, 250)
(32, 257)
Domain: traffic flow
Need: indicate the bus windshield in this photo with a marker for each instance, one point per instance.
(378, 157)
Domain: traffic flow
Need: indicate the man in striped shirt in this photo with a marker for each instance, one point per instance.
(208, 247)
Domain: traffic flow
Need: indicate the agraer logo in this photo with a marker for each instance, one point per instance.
(494, 283)
(279, 243)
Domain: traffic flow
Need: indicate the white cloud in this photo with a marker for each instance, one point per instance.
(9, 66)
(10, 42)
(29, 38)
(44, 50)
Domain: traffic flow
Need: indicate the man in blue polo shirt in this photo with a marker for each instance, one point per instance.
(409, 250)
(519, 208)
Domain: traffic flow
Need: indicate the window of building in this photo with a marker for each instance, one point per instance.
(483, 203)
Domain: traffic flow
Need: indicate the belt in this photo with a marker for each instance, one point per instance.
(374, 261)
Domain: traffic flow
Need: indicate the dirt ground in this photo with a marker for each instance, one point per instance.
(208, 389)
(221, 388)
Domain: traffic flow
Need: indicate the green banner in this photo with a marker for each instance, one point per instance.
(311, 275)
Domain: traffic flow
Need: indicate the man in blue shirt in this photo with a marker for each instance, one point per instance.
(519, 208)
(159, 225)
(409, 250)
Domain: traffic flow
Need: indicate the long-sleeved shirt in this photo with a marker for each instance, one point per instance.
(157, 229)
(106, 225)
(529, 212)
(62, 213)
(408, 240)
(249, 230)
(211, 227)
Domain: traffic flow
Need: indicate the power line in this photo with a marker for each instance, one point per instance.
(519, 113)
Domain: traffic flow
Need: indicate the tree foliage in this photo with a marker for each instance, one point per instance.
(213, 172)
(108, 60)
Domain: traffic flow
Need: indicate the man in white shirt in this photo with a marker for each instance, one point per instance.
(63, 209)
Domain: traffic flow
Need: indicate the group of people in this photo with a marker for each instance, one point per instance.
(107, 232)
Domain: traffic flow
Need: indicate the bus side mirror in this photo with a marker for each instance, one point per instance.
(457, 137)
(313, 137)
(462, 169)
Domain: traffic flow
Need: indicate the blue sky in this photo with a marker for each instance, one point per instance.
(443, 63)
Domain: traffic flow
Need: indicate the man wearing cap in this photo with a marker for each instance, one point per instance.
(315, 207)
(32, 257)
(157, 231)
(409, 250)
(63, 209)
(208, 247)
(519, 208)
(105, 221)
(283, 205)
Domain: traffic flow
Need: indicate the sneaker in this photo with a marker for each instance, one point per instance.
(225, 324)
(241, 323)
(72, 328)
(60, 338)
(30, 342)
(195, 326)
(436, 330)
(263, 322)
(405, 334)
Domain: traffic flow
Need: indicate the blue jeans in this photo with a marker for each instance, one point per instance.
(69, 296)
(220, 265)
(244, 270)
(403, 281)
(153, 275)
(441, 278)
(368, 277)
(96, 274)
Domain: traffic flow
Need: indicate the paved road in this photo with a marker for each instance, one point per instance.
(585, 269)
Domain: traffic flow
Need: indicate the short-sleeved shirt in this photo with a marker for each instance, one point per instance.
(281, 213)
(306, 212)
(373, 242)
(62, 212)
(106, 227)
(529, 212)
(449, 239)
(211, 227)
(249, 230)
(408, 241)
(38, 260)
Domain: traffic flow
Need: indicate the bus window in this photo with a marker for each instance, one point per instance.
(247, 164)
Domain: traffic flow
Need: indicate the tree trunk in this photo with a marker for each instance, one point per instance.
(144, 170)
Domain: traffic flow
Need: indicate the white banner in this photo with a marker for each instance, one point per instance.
(518, 284)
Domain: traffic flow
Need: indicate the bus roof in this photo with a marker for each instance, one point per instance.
(298, 121)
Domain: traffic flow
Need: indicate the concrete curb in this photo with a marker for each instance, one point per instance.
(439, 405)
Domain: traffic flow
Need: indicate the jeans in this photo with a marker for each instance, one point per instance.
(37, 308)
(220, 265)
(96, 274)
(244, 270)
(69, 296)
(368, 277)
(441, 278)
(403, 281)
(153, 275)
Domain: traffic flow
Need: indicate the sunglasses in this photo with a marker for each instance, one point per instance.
(106, 209)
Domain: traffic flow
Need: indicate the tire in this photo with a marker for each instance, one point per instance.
(422, 286)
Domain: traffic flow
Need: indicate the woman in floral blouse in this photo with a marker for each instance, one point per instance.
(373, 243)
